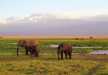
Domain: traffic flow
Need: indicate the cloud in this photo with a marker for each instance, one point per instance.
(75, 14)
(51, 24)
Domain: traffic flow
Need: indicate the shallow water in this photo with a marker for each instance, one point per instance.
(99, 52)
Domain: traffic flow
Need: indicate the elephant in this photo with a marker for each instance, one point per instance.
(64, 49)
(30, 47)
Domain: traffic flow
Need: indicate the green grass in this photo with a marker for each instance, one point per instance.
(7, 48)
(47, 63)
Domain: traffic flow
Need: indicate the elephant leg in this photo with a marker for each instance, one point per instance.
(70, 54)
(66, 53)
(34, 51)
(37, 53)
(61, 54)
(58, 54)
(26, 50)
(31, 52)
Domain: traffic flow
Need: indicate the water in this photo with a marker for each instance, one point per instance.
(55, 46)
(99, 52)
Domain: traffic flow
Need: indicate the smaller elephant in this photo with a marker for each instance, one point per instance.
(64, 49)
(30, 47)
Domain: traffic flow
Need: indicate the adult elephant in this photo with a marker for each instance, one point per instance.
(30, 47)
(64, 49)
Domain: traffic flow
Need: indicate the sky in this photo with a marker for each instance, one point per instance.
(54, 17)
(9, 8)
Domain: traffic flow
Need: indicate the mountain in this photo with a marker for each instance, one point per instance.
(49, 24)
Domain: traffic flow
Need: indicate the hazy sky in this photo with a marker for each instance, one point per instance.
(51, 17)
(20, 8)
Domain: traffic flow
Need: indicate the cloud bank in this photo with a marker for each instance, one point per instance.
(51, 24)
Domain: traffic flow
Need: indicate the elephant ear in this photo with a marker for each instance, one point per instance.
(22, 43)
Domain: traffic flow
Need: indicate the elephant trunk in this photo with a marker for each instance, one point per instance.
(17, 50)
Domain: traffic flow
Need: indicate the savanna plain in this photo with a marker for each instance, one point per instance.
(82, 62)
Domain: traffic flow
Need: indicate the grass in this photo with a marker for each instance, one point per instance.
(6, 46)
(43, 66)
(47, 63)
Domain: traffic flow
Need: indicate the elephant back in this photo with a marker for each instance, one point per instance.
(27, 43)
(30, 43)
